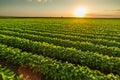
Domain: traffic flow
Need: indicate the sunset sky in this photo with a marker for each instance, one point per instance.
(57, 8)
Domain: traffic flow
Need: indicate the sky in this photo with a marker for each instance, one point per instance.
(57, 8)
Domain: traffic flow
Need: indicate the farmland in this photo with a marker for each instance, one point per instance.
(61, 48)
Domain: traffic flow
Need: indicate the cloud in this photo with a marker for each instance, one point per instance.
(116, 10)
(103, 15)
(43, 1)
(40, 1)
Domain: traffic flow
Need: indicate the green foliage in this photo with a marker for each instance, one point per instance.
(6, 74)
(63, 49)
(106, 63)
(84, 46)
(47, 66)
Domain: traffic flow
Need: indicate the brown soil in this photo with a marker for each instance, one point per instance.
(9, 65)
(29, 74)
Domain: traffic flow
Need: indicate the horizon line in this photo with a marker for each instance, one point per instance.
(53, 17)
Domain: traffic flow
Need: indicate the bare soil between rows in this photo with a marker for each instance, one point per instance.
(25, 71)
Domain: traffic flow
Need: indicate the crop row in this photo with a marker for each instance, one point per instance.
(107, 37)
(63, 32)
(58, 28)
(92, 36)
(69, 37)
(47, 66)
(64, 25)
(84, 46)
(116, 38)
(92, 60)
(6, 74)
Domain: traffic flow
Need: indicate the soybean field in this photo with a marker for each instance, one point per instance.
(60, 48)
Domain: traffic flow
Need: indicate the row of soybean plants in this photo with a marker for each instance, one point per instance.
(84, 46)
(80, 27)
(69, 37)
(7, 74)
(105, 64)
(48, 66)
(27, 27)
(40, 28)
(70, 33)
(107, 37)
(44, 26)
(51, 24)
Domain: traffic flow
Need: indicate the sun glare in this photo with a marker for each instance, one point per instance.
(80, 12)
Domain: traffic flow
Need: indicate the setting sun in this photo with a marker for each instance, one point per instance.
(81, 12)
